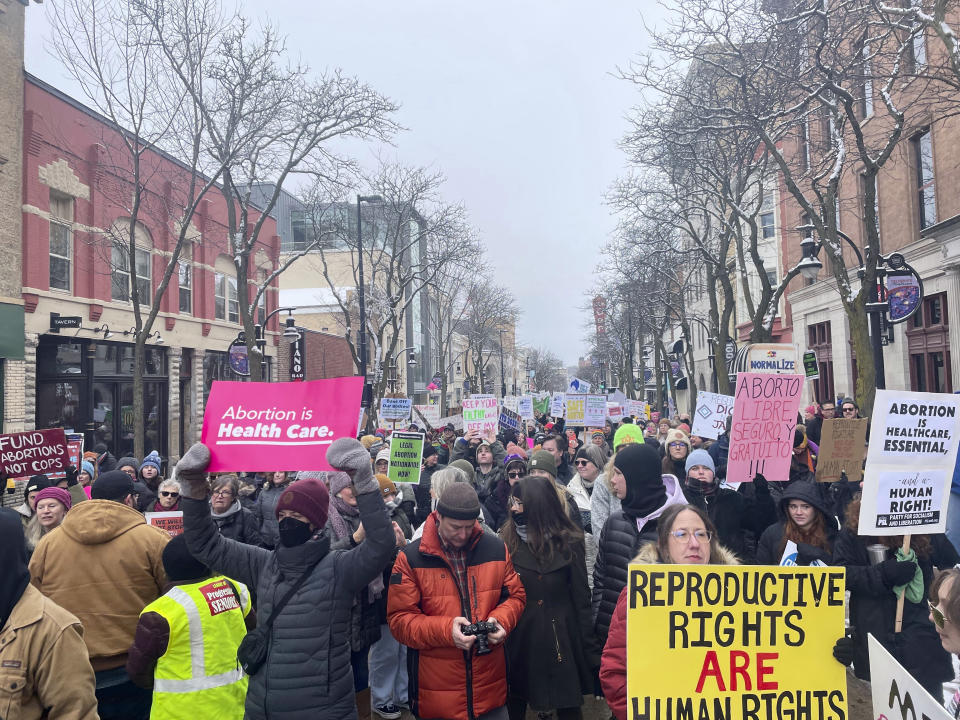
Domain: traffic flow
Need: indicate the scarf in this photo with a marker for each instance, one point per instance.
(706, 488)
(521, 530)
(232, 510)
(13, 559)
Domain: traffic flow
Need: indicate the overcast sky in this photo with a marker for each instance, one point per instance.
(514, 101)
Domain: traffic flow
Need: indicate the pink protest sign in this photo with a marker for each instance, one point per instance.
(278, 426)
(764, 419)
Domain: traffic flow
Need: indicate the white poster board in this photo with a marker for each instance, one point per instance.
(710, 418)
(615, 411)
(430, 413)
(637, 408)
(595, 410)
(578, 386)
(510, 402)
(395, 409)
(525, 407)
(558, 405)
(910, 461)
(481, 415)
(894, 690)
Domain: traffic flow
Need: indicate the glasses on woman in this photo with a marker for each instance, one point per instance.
(514, 474)
(223, 493)
(677, 445)
(703, 536)
(939, 619)
(582, 463)
(169, 493)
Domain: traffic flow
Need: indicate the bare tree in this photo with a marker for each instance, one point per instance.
(549, 374)
(492, 308)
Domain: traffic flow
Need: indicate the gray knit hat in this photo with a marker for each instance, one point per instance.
(459, 502)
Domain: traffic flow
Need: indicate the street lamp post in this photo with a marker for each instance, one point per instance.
(367, 388)
(810, 265)
(290, 334)
(503, 377)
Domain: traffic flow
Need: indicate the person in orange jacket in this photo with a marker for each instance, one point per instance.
(443, 584)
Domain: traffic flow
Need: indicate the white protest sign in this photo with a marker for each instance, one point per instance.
(394, 409)
(894, 690)
(789, 558)
(636, 408)
(430, 414)
(595, 410)
(710, 419)
(360, 421)
(910, 461)
(455, 420)
(480, 415)
(578, 386)
(615, 411)
(510, 402)
(557, 405)
(576, 406)
(525, 407)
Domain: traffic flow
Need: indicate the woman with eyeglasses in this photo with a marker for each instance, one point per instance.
(808, 523)
(685, 536)
(552, 654)
(168, 497)
(944, 604)
(233, 520)
(675, 457)
(874, 584)
(497, 501)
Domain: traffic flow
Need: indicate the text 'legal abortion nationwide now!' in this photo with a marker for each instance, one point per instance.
(734, 643)
(278, 426)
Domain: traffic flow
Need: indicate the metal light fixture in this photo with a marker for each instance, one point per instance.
(105, 329)
(157, 338)
(412, 358)
(290, 332)
(809, 265)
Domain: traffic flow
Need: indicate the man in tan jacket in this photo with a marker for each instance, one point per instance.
(44, 670)
(104, 564)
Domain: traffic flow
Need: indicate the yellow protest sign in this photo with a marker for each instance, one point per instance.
(734, 643)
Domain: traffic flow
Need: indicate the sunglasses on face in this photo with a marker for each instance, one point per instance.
(514, 474)
(849, 409)
(582, 463)
(939, 619)
(166, 493)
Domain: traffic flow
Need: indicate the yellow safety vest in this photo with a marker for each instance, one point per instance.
(198, 676)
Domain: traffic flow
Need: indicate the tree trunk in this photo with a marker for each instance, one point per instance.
(138, 415)
(866, 372)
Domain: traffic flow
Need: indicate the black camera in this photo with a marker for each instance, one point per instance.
(480, 630)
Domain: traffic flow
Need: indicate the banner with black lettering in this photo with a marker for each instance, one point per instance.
(910, 461)
(711, 642)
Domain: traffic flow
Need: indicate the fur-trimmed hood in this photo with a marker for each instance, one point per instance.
(650, 555)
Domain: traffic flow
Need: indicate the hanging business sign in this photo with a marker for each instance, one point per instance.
(904, 294)
(298, 354)
(237, 356)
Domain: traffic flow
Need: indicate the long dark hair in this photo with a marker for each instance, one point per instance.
(815, 535)
(550, 531)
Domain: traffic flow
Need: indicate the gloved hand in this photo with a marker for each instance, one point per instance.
(843, 650)
(760, 485)
(897, 572)
(191, 472)
(349, 456)
(807, 554)
(71, 473)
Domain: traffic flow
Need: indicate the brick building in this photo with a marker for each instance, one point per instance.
(82, 379)
(324, 356)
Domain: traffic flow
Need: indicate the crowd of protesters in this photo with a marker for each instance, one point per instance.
(492, 586)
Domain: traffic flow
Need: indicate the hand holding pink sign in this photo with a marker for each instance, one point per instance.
(275, 426)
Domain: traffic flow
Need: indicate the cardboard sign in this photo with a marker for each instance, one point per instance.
(913, 447)
(710, 418)
(480, 415)
(764, 419)
(525, 407)
(395, 409)
(34, 452)
(725, 641)
(259, 427)
(842, 447)
(558, 405)
(896, 695)
(406, 454)
(171, 521)
(595, 410)
(510, 420)
(429, 414)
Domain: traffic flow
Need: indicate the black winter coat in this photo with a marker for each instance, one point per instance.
(365, 613)
(873, 608)
(241, 526)
(553, 652)
(619, 543)
(770, 546)
(307, 673)
(719, 451)
(735, 515)
(422, 493)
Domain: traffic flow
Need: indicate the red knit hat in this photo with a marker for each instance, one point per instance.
(308, 497)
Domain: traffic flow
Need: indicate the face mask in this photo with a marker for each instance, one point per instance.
(520, 518)
(294, 532)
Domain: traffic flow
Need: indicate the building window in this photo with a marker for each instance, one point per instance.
(926, 187)
(61, 241)
(866, 101)
(805, 144)
(928, 338)
(120, 285)
(225, 298)
(820, 341)
(262, 302)
(767, 218)
(184, 272)
(918, 52)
